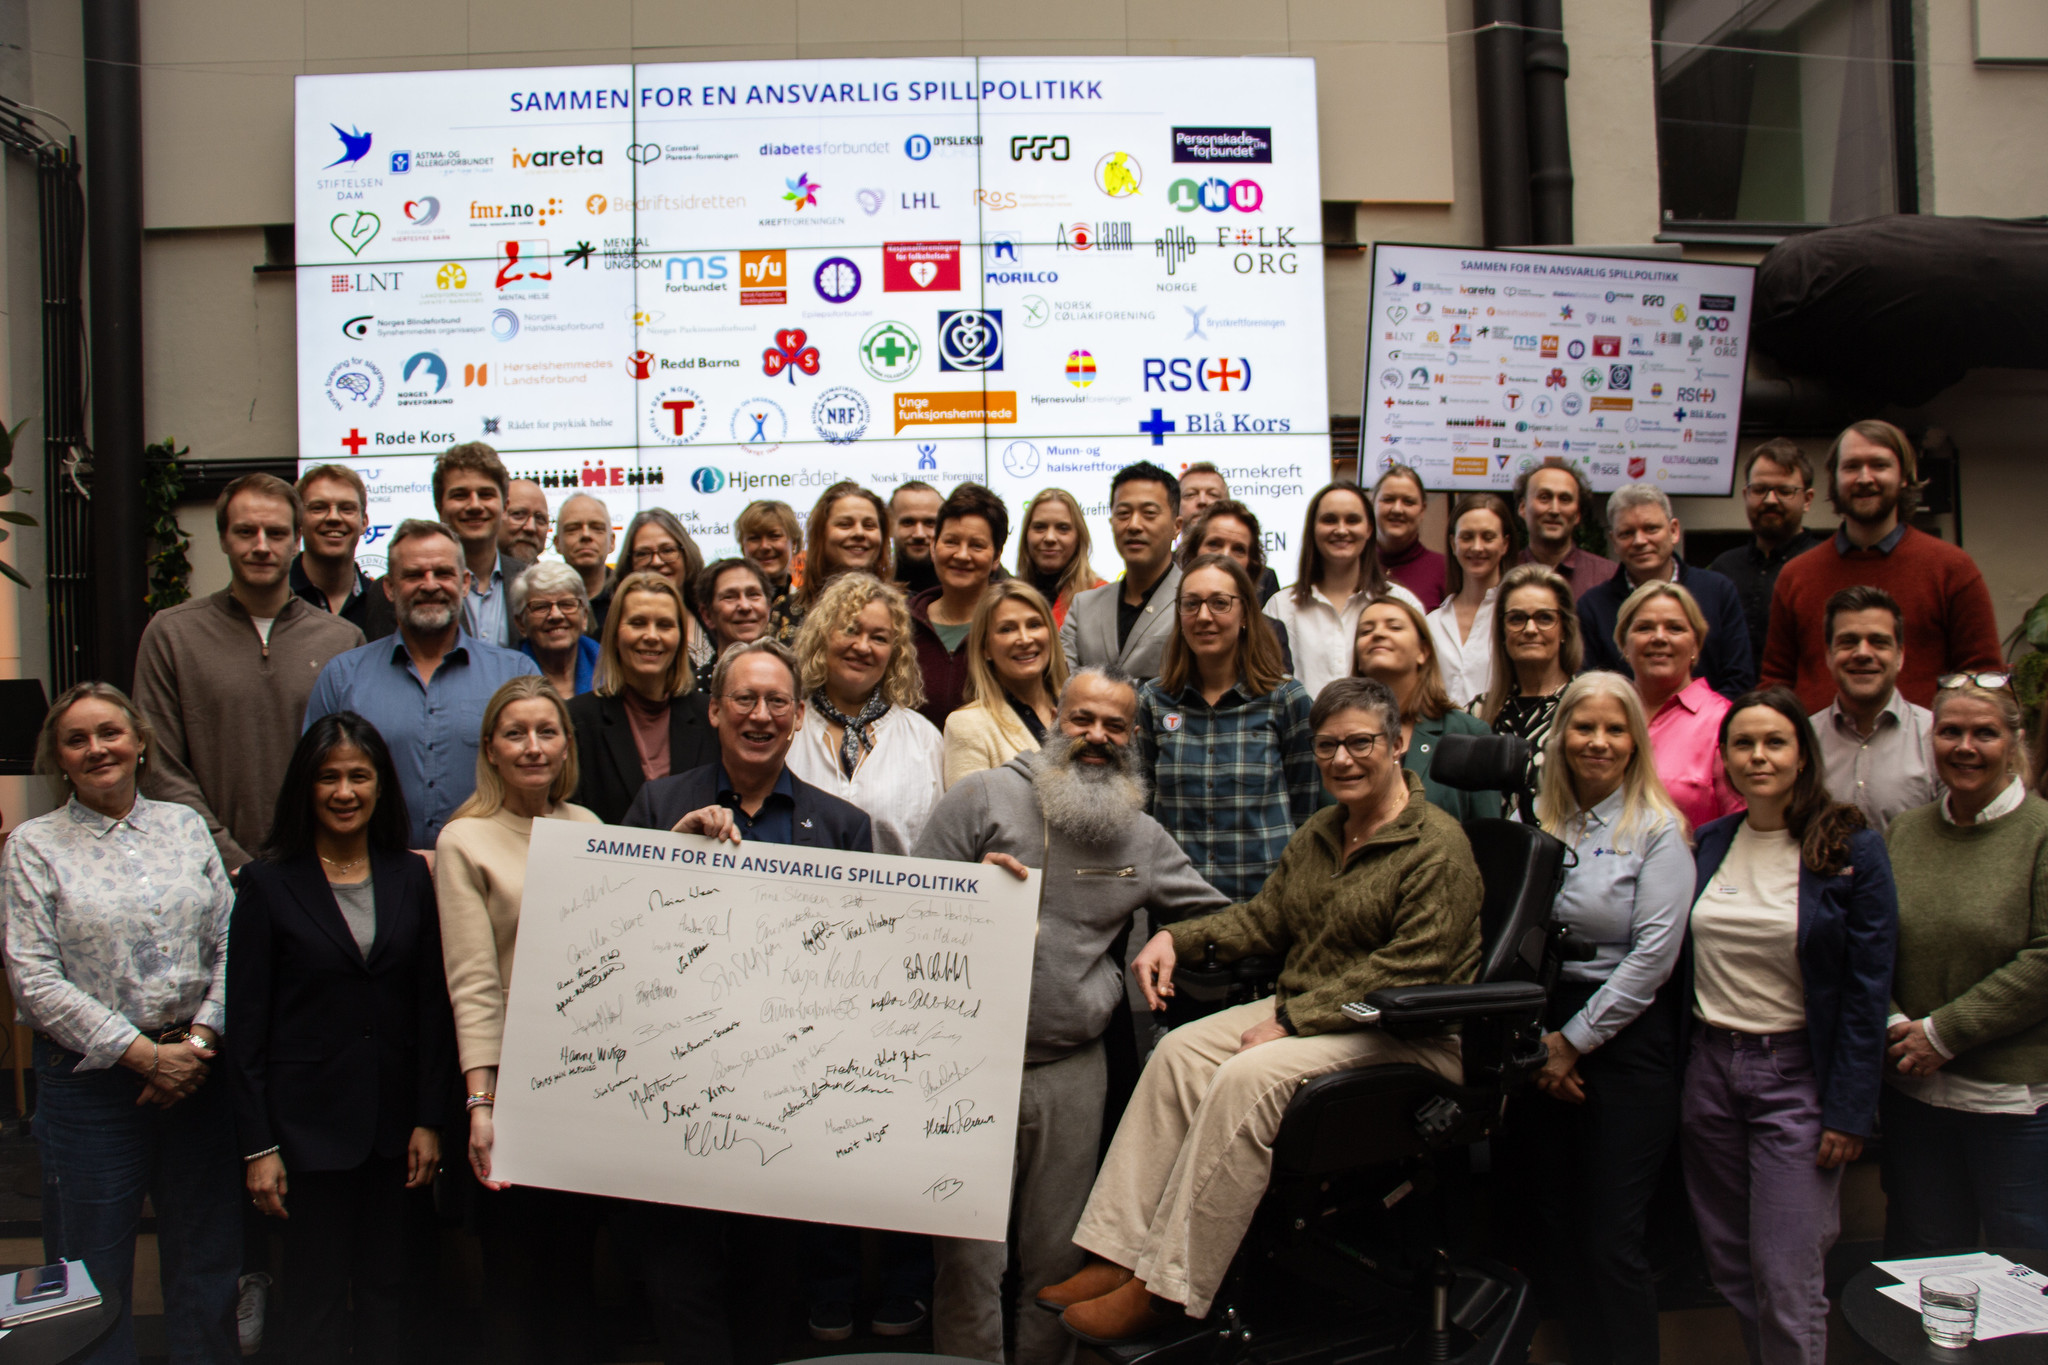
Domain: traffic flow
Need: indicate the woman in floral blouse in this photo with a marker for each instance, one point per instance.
(117, 919)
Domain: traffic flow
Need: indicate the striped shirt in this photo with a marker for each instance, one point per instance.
(1233, 781)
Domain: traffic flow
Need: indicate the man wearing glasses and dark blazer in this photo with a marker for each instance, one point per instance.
(701, 1267)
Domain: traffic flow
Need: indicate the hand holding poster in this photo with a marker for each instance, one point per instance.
(778, 1030)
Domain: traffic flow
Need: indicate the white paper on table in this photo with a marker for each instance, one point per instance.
(1967, 1265)
(769, 1029)
(2009, 1298)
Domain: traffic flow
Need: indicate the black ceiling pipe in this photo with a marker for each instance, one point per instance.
(1503, 142)
(113, 211)
(1546, 63)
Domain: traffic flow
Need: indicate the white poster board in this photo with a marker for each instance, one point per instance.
(1480, 364)
(768, 1029)
(692, 285)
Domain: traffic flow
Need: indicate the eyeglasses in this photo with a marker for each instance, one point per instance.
(544, 610)
(1991, 682)
(667, 553)
(1358, 746)
(524, 517)
(1219, 604)
(1764, 492)
(1543, 618)
(779, 703)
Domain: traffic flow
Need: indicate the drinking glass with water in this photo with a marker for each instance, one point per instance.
(1948, 1310)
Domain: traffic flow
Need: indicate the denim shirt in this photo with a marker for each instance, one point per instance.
(1632, 904)
(433, 728)
(115, 927)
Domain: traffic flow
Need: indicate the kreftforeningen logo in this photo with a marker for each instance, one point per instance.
(971, 339)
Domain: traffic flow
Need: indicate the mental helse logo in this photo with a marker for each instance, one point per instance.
(802, 192)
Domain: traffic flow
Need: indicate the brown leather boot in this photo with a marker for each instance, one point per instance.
(1092, 1281)
(1124, 1314)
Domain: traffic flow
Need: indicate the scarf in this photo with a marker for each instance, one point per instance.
(857, 740)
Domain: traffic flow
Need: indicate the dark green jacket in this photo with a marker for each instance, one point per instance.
(1459, 805)
(1403, 910)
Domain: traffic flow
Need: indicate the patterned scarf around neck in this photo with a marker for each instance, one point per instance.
(856, 741)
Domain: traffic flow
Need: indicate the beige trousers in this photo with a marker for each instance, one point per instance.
(1190, 1160)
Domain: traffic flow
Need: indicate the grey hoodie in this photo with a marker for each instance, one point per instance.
(1089, 895)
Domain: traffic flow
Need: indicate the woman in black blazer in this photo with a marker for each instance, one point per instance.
(343, 1055)
(644, 719)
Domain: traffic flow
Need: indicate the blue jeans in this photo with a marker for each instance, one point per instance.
(1953, 1179)
(101, 1154)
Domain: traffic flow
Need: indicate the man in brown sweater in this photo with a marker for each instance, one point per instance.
(225, 678)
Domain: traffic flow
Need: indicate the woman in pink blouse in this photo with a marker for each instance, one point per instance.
(1661, 632)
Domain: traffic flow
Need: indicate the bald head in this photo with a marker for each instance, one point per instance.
(524, 533)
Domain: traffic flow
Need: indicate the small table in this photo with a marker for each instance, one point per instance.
(1893, 1330)
(56, 1340)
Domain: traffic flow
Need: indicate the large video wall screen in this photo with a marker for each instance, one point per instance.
(692, 286)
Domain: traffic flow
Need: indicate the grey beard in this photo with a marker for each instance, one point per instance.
(1092, 806)
(430, 617)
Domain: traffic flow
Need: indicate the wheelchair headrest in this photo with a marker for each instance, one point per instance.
(1481, 763)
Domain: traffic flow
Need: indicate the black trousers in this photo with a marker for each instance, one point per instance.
(711, 1280)
(346, 1235)
(1582, 1177)
(539, 1247)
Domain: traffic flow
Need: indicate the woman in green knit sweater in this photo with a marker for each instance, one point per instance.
(1966, 1111)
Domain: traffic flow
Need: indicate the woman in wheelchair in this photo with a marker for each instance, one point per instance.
(1589, 1147)
(1377, 891)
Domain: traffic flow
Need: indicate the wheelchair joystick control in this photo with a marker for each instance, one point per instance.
(1441, 1278)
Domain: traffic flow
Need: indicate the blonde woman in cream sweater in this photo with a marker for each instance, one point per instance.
(1015, 670)
(525, 770)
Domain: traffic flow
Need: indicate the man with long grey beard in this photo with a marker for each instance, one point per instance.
(1076, 811)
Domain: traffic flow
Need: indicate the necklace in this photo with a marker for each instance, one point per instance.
(343, 867)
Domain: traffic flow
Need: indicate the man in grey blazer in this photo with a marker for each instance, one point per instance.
(1125, 625)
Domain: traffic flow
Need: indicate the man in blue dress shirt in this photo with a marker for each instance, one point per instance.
(424, 688)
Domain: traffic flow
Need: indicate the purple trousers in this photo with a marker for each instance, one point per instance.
(1767, 1215)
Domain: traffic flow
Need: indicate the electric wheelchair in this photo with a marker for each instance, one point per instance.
(1347, 1260)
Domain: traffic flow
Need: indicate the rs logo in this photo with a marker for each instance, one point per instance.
(1038, 148)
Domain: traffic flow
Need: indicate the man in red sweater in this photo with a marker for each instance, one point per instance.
(1949, 624)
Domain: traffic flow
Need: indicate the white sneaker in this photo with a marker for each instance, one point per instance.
(253, 1293)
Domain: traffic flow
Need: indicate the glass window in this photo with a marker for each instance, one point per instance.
(1778, 111)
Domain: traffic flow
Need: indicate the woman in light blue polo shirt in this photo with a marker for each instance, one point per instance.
(1593, 1136)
